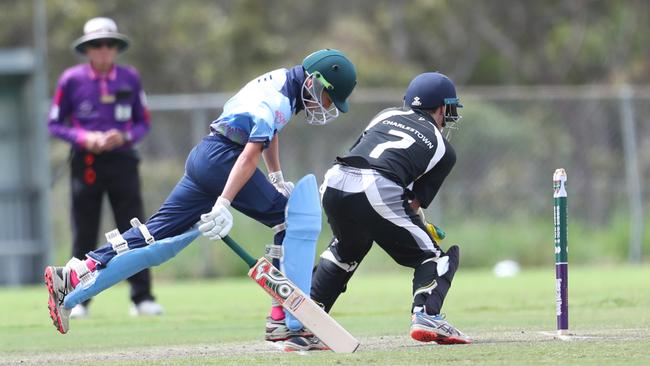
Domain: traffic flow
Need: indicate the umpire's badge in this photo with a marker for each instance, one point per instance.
(107, 98)
(122, 112)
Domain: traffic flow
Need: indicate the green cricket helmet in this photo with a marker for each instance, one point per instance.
(329, 70)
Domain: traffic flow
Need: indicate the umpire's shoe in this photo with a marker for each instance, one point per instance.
(276, 331)
(434, 328)
(57, 281)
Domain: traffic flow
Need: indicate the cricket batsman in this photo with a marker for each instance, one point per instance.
(221, 174)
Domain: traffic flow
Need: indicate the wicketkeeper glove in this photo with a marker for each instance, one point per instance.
(285, 188)
(217, 223)
(437, 233)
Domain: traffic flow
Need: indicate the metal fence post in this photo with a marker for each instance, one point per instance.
(632, 177)
(199, 124)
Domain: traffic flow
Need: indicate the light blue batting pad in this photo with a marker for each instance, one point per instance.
(129, 263)
(303, 220)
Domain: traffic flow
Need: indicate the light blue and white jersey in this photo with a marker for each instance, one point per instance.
(262, 107)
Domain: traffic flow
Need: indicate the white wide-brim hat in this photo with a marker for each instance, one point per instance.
(100, 28)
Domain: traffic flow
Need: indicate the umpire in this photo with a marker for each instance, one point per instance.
(99, 109)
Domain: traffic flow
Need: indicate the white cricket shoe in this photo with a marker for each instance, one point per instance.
(79, 311)
(146, 308)
(434, 328)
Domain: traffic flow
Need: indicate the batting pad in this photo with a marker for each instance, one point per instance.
(129, 263)
(303, 220)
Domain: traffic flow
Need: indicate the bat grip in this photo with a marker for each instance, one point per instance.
(243, 254)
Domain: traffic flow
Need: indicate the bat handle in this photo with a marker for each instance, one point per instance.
(243, 254)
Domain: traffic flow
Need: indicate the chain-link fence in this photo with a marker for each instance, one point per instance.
(497, 202)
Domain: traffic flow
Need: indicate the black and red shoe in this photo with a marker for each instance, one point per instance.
(297, 344)
(277, 330)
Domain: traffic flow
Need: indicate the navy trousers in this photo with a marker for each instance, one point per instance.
(206, 171)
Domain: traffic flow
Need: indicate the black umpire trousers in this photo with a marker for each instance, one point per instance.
(115, 174)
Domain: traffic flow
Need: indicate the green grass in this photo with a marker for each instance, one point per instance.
(506, 318)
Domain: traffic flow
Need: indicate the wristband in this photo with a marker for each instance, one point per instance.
(127, 136)
(223, 201)
(276, 177)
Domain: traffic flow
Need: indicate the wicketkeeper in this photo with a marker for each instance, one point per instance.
(221, 172)
(376, 192)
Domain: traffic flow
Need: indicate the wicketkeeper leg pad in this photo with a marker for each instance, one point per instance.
(303, 225)
(432, 280)
(129, 263)
(330, 279)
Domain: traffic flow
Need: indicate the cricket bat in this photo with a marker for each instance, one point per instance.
(292, 299)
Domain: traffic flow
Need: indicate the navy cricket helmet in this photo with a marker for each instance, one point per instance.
(431, 90)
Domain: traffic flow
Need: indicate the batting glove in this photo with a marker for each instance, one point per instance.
(285, 188)
(217, 223)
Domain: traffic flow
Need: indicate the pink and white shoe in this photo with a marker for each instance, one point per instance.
(57, 281)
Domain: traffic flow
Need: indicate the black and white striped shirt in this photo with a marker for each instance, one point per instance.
(405, 146)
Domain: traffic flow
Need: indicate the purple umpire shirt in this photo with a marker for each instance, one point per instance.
(87, 101)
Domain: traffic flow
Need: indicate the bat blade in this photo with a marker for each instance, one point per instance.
(302, 307)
